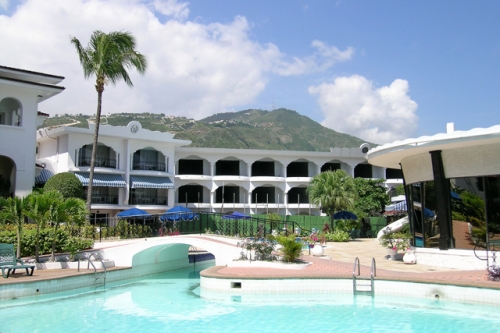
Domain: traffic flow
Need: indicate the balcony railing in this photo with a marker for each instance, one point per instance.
(149, 200)
(105, 199)
(99, 162)
(156, 166)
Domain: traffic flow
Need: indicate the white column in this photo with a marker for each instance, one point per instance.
(127, 173)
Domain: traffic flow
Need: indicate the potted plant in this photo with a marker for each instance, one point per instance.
(394, 242)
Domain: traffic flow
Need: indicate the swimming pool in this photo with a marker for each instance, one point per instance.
(171, 302)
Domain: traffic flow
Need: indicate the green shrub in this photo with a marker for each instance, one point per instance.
(291, 250)
(67, 184)
(64, 241)
(338, 236)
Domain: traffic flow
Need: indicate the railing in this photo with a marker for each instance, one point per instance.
(356, 273)
(154, 166)
(97, 277)
(149, 200)
(99, 162)
(105, 199)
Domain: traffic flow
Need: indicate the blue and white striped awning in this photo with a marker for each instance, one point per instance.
(150, 182)
(101, 179)
(43, 177)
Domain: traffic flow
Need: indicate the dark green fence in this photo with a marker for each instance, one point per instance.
(254, 226)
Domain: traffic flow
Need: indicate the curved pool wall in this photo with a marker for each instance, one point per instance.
(231, 288)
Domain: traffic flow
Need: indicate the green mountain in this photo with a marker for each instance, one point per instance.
(281, 129)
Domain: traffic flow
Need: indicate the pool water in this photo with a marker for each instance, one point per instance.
(171, 302)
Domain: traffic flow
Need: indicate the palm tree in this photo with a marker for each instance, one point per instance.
(332, 191)
(37, 207)
(13, 211)
(108, 56)
(70, 210)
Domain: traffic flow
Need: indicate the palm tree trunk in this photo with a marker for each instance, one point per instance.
(94, 148)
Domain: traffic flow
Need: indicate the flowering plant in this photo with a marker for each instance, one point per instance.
(395, 241)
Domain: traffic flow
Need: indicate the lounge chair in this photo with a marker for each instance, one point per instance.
(9, 263)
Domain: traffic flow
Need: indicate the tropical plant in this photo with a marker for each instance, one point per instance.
(332, 191)
(107, 57)
(338, 236)
(399, 241)
(66, 183)
(13, 211)
(38, 205)
(70, 210)
(371, 196)
(263, 250)
(291, 250)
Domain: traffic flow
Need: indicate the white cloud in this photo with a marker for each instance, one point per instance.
(353, 105)
(4, 4)
(323, 58)
(173, 8)
(195, 69)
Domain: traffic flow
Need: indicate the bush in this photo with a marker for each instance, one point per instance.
(338, 236)
(67, 184)
(291, 250)
(346, 225)
(64, 241)
(263, 249)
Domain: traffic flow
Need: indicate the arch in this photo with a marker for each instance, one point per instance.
(11, 112)
(265, 194)
(298, 194)
(267, 167)
(193, 165)
(148, 158)
(193, 193)
(231, 192)
(230, 166)
(105, 156)
(171, 250)
(7, 176)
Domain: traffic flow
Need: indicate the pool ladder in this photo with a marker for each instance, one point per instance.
(99, 276)
(360, 285)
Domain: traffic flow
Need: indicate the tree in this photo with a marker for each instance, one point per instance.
(66, 183)
(70, 210)
(13, 211)
(107, 57)
(37, 207)
(332, 191)
(371, 196)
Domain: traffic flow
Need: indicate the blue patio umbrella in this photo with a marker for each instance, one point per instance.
(134, 213)
(344, 215)
(179, 213)
(236, 216)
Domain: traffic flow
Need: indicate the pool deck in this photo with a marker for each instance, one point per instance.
(337, 263)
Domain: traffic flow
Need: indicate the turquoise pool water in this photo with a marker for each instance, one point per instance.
(171, 302)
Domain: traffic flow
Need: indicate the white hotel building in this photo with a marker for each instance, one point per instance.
(151, 170)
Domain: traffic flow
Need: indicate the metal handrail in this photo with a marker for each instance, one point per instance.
(356, 264)
(89, 262)
(373, 273)
(373, 270)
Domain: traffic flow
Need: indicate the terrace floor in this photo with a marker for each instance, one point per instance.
(337, 262)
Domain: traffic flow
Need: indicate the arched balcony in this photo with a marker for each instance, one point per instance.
(149, 159)
(193, 166)
(193, 193)
(10, 112)
(105, 156)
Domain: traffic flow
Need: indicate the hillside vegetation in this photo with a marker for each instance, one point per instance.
(281, 129)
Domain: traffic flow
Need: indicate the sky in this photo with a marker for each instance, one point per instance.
(378, 70)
